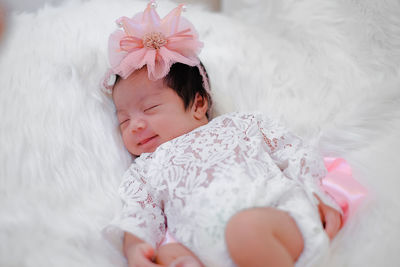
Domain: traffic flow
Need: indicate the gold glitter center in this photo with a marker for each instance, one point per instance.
(154, 40)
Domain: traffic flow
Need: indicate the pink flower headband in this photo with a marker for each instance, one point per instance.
(157, 43)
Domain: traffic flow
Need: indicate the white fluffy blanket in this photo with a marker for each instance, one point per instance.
(329, 69)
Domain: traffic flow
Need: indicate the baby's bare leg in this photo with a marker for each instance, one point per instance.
(263, 237)
(170, 252)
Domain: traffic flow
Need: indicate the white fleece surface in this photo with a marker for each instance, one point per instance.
(329, 69)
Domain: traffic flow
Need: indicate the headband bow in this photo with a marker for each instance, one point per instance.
(146, 39)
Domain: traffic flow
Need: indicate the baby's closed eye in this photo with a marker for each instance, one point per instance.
(151, 108)
(123, 121)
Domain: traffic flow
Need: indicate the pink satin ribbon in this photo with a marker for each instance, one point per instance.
(342, 187)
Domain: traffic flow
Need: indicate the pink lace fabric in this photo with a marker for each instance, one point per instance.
(194, 183)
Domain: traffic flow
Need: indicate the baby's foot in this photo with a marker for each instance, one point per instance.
(186, 261)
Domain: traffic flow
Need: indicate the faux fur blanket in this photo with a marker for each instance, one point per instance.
(329, 69)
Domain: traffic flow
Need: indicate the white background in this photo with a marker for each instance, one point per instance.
(32, 5)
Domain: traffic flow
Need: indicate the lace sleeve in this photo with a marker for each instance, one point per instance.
(298, 161)
(141, 214)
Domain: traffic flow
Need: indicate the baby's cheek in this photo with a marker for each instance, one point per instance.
(124, 138)
(128, 141)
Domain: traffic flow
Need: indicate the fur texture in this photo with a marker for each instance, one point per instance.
(329, 69)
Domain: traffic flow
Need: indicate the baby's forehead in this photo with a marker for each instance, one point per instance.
(149, 96)
(138, 83)
(137, 98)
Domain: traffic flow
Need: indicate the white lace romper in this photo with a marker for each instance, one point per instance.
(194, 183)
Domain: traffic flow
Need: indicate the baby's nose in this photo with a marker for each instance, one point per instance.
(137, 125)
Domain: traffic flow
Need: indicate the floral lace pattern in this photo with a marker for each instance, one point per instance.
(194, 183)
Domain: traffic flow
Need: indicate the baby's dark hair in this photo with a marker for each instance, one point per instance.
(186, 81)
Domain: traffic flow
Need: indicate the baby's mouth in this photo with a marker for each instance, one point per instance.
(146, 140)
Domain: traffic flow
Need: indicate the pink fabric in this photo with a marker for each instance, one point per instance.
(146, 39)
(342, 187)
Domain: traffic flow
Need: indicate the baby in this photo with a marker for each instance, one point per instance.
(237, 190)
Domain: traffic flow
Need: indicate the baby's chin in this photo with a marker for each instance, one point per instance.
(138, 154)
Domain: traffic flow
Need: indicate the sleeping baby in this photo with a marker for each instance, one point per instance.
(235, 190)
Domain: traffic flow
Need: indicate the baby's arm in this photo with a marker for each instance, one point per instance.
(141, 219)
(298, 161)
(143, 215)
(301, 163)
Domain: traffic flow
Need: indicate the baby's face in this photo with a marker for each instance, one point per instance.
(150, 113)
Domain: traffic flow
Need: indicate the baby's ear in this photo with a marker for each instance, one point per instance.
(199, 107)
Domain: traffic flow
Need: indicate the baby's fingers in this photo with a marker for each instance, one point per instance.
(330, 218)
(143, 256)
(186, 261)
(333, 223)
(143, 262)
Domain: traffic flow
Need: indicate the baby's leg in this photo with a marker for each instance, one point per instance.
(177, 255)
(263, 237)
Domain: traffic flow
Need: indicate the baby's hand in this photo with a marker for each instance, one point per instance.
(141, 255)
(330, 218)
(176, 255)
